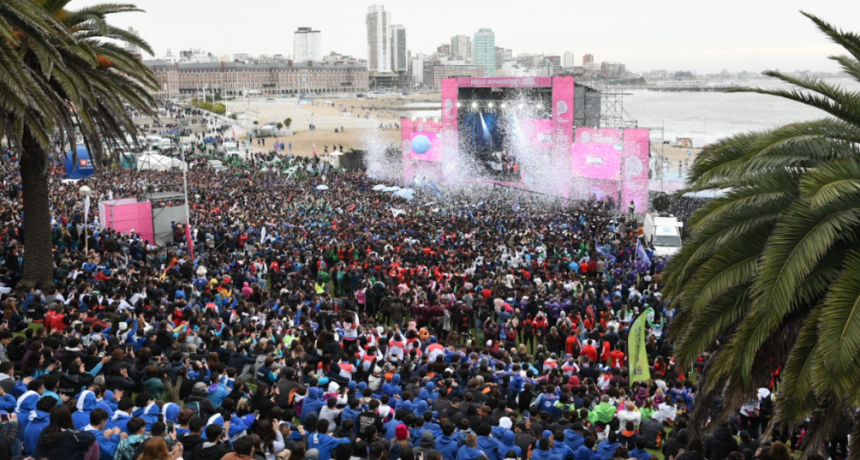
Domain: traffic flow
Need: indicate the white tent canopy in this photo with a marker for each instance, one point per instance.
(155, 162)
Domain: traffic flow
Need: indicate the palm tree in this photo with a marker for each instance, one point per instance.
(86, 82)
(770, 277)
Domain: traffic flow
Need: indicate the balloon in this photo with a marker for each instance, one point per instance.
(420, 144)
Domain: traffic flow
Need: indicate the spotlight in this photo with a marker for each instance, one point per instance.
(474, 105)
(413, 118)
(491, 105)
(459, 105)
(504, 105)
(521, 105)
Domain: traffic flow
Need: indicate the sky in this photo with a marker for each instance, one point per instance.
(704, 37)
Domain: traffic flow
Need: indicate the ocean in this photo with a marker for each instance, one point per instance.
(706, 117)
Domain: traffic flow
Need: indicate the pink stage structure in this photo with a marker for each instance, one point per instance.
(126, 215)
(603, 162)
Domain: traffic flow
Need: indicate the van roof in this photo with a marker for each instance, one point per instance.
(661, 230)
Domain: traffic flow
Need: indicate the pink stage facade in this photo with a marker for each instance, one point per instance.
(126, 215)
(603, 162)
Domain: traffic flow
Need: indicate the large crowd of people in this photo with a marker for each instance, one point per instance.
(309, 322)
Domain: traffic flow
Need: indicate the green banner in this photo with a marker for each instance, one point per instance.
(636, 354)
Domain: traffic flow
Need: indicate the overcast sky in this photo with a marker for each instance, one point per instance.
(656, 34)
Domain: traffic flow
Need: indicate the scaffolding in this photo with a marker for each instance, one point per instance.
(612, 112)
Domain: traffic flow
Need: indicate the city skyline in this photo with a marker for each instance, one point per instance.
(773, 36)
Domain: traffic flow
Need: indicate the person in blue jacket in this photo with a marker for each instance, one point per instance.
(324, 443)
(469, 450)
(560, 448)
(38, 420)
(639, 453)
(544, 446)
(121, 415)
(486, 443)
(217, 391)
(573, 438)
(108, 439)
(447, 444)
(392, 388)
(351, 412)
(146, 409)
(607, 448)
(27, 403)
(85, 405)
(312, 403)
(586, 451)
(509, 442)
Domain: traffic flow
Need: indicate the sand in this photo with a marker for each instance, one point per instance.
(360, 118)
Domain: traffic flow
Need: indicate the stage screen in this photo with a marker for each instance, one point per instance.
(597, 154)
(421, 139)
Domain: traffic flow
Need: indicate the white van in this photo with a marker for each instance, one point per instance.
(662, 233)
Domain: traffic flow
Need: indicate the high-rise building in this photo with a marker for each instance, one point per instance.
(399, 55)
(569, 62)
(378, 40)
(484, 51)
(130, 47)
(418, 69)
(502, 55)
(307, 45)
(587, 59)
(461, 48)
(444, 50)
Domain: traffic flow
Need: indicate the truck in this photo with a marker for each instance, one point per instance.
(662, 233)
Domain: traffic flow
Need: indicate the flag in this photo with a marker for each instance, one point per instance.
(86, 207)
(234, 134)
(643, 262)
(315, 149)
(188, 239)
(397, 212)
(636, 354)
(516, 207)
(263, 234)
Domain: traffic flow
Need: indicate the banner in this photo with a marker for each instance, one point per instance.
(634, 178)
(562, 116)
(636, 354)
(420, 139)
(450, 92)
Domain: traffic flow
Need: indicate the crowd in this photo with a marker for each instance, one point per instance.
(342, 323)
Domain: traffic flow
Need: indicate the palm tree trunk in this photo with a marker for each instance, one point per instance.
(38, 260)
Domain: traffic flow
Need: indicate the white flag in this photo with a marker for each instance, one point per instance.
(397, 212)
(86, 208)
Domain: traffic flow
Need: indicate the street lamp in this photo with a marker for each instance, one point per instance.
(85, 193)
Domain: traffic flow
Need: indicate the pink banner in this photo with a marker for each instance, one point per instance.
(127, 215)
(420, 139)
(562, 115)
(505, 82)
(634, 181)
(449, 111)
(597, 153)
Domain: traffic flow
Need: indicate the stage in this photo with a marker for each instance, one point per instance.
(520, 132)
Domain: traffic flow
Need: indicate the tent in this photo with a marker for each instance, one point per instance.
(156, 162)
(78, 164)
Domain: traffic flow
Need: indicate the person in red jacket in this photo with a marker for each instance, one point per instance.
(54, 320)
(589, 350)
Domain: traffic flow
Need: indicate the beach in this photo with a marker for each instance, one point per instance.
(360, 120)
